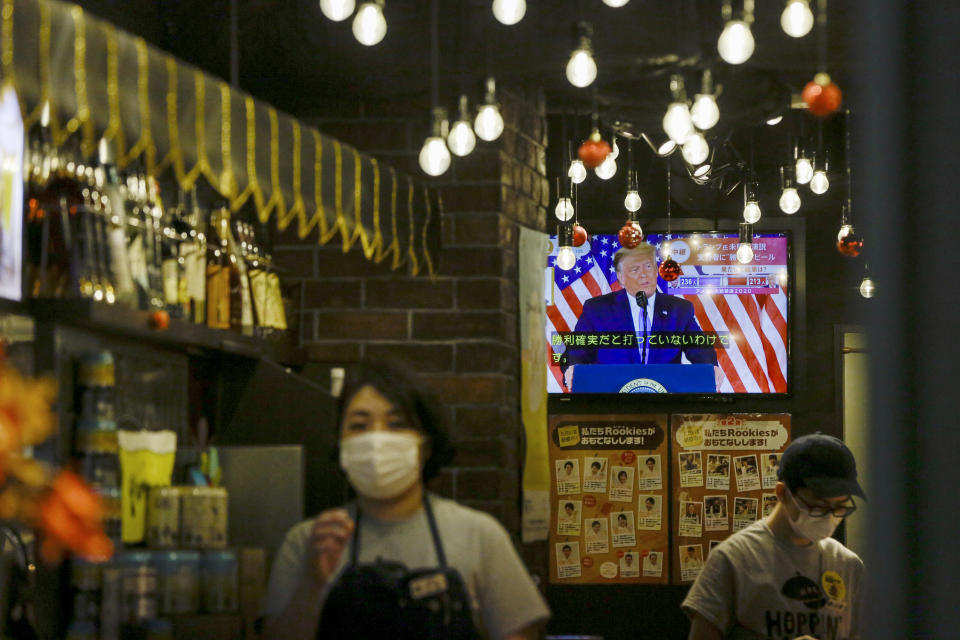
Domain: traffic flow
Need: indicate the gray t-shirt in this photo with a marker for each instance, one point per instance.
(754, 585)
(504, 597)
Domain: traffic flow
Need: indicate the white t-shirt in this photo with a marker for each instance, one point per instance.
(756, 582)
(504, 597)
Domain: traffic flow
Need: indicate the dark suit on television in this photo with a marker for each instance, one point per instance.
(612, 312)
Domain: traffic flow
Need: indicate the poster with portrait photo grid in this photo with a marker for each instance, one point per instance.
(609, 505)
(722, 476)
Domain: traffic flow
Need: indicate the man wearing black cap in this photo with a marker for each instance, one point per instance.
(784, 577)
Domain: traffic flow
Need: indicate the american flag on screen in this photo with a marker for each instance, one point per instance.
(749, 303)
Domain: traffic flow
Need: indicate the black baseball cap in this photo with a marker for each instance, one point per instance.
(822, 463)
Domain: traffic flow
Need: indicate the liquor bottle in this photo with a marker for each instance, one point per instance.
(153, 215)
(171, 235)
(250, 251)
(193, 252)
(136, 239)
(40, 155)
(241, 307)
(218, 276)
(115, 228)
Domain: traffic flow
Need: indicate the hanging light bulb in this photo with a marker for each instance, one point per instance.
(434, 155)
(677, 123)
(751, 206)
(735, 44)
(564, 209)
(774, 121)
(337, 10)
(489, 123)
(695, 149)
(615, 150)
(819, 183)
(797, 18)
(804, 170)
(461, 139)
(632, 202)
(582, 68)
(745, 248)
(615, 3)
(606, 169)
(369, 25)
(867, 287)
(509, 12)
(566, 258)
(577, 172)
(789, 198)
(705, 112)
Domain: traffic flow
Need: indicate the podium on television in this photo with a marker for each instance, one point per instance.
(644, 378)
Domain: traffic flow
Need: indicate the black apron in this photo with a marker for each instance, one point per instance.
(384, 599)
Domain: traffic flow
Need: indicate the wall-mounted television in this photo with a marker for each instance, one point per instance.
(614, 325)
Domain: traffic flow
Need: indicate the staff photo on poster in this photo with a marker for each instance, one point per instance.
(715, 513)
(568, 476)
(630, 565)
(744, 512)
(718, 472)
(748, 478)
(568, 517)
(691, 519)
(568, 559)
(621, 485)
(648, 512)
(769, 501)
(594, 475)
(771, 465)
(653, 565)
(649, 476)
(691, 469)
(691, 561)
(596, 535)
(622, 529)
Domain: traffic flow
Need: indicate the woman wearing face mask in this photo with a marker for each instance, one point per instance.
(784, 576)
(326, 574)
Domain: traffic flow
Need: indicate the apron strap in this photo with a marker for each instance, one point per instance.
(434, 532)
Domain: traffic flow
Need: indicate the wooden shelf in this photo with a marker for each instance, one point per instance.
(180, 334)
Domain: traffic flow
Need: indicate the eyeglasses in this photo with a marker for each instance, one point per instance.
(820, 511)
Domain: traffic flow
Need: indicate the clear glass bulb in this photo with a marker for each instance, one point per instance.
(434, 156)
(797, 18)
(804, 170)
(751, 212)
(509, 11)
(666, 148)
(705, 113)
(789, 200)
(606, 169)
(703, 171)
(819, 182)
(337, 10)
(615, 150)
(632, 201)
(461, 139)
(369, 25)
(695, 149)
(774, 121)
(845, 230)
(736, 44)
(745, 253)
(677, 123)
(581, 69)
(615, 3)
(867, 287)
(566, 258)
(665, 251)
(577, 172)
(563, 210)
(488, 123)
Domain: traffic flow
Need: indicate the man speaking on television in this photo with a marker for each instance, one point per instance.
(638, 309)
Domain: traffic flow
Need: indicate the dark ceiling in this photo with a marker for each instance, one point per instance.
(292, 56)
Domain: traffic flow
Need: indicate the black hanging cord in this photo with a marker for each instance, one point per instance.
(822, 35)
(435, 53)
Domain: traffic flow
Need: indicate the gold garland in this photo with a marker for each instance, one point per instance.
(319, 215)
(253, 187)
(43, 70)
(276, 193)
(174, 157)
(6, 38)
(114, 130)
(414, 264)
(299, 209)
(228, 181)
(395, 243)
(81, 121)
(423, 230)
(145, 145)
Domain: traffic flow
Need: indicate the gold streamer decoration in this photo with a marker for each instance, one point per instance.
(114, 130)
(145, 145)
(84, 122)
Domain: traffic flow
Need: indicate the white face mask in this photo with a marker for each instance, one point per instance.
(381, 464)
(809, 527)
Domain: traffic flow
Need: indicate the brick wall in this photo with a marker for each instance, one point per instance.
(459, 328)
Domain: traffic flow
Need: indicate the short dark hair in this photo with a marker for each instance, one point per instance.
(622, 515)
(596, 463)
(651, 459)
(569, 505)
(651, 499)
(568, 462)
(410, 395)
(622, 473)
(566, 547)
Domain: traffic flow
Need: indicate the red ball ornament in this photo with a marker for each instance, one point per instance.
(579, 235)
(159, 320)
(823, 96)
(594, 150)
(849, 243)
(631, 235)
(669, 270)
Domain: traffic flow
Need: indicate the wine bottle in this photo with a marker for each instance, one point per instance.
(218, 276)
(115, 227)
(194, 254)
(241, 307)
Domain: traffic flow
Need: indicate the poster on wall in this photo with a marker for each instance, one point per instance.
(723, 472)
(11, 195)
(609, 523)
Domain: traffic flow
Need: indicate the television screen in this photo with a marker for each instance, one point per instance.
(614, 325)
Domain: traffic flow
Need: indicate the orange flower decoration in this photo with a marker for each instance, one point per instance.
(71, 518)
(25, 415)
